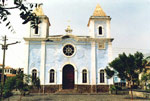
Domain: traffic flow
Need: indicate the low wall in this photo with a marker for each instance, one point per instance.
(140, 94)
(120, 92)
(77, 88)
(102, 88)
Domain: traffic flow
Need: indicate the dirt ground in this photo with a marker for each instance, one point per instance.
(77, 97)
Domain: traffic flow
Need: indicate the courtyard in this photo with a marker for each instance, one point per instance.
(75, 97)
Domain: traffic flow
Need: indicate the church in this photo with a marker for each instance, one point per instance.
(70, 62)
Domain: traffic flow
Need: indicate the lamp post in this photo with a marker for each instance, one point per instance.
(4, 48)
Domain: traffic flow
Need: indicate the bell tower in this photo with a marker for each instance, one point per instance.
(99, 31)
(99, 24)
(42, 31)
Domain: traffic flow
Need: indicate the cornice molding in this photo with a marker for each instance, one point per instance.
(76, 38)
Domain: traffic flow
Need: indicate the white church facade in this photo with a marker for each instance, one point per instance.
(68, 61)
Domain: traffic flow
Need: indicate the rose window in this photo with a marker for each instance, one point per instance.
(68, 50)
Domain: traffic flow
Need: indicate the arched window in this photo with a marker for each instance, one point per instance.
(102, 78)
(36, 30)
(51, 76)
(84, 76)
(34, 74)
(100, 30)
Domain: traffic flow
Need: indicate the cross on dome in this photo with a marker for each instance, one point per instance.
(68, 30)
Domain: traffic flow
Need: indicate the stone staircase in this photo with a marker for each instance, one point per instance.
(67, 91)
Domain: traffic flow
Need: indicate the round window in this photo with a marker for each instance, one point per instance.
(68, 50)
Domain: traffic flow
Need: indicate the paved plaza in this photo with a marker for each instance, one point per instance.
(77, 97)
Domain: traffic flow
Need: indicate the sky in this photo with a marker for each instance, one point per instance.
(130, 25)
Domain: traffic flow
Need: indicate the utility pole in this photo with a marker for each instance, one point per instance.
(4, 48)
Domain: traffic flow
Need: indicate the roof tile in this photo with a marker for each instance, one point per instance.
(99, 11)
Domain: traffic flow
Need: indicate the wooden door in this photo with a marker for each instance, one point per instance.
(68, 77)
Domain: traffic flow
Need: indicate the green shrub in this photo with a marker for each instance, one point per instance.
(118, 88)
(7, 93)
(113, 88)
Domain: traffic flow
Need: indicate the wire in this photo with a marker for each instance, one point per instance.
(130, 48)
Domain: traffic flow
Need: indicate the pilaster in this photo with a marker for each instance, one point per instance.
(42, 68)
(93, 64)
(108, 29)
(109, 52)
(26, 69)
(92, 29)
(110, 81)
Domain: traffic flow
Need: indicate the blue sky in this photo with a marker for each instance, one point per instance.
(130, 19)
(130, 24)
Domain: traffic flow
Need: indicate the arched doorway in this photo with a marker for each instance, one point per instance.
(68, 77)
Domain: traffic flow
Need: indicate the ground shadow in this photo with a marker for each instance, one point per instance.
(45, 99)
(138, 98)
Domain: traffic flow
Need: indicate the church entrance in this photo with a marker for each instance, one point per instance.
(68, 77)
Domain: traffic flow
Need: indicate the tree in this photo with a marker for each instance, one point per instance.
(19, 82)
(145, 74)
(127, 67)
(145, 78)
(9, 86)
(22, 82)
(25, 13)
(36, 83)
